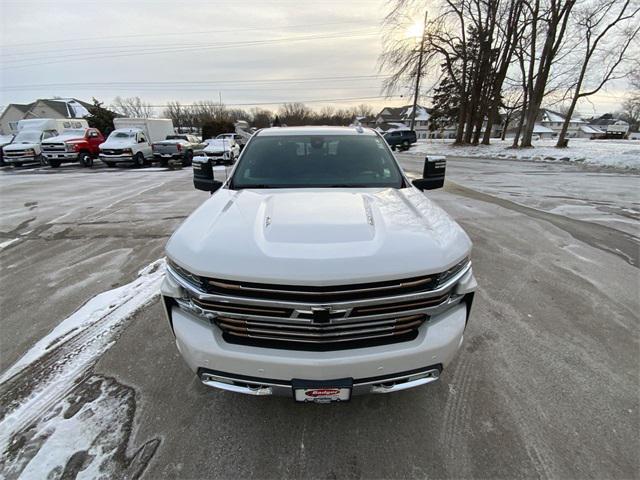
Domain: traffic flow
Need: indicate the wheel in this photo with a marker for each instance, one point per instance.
(406, 145)
(393, 147)
(44, 162)
(110, 164)
(54, 163)
(188, 159)
(138, 160)
(85, 160)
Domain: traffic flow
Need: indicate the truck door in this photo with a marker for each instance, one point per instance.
(95, 138)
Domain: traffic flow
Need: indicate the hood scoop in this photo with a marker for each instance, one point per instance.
(321, 218)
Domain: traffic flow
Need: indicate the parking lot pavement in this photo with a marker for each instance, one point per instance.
(546, 383)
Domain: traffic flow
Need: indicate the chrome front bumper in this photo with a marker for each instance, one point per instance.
(115, 158)
(395, 383)
(60, 155)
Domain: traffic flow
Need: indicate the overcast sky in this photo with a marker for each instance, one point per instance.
(247, 52)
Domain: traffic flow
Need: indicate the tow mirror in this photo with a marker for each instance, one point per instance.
(207, 186)
(432, 174)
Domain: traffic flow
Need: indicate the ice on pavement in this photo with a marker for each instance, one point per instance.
(607, 153)
(49, 370)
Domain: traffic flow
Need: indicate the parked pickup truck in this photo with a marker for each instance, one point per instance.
(131, 141)
(77, 145)
(4, 140)
(26, 146)
(318, 270)
(401, 139)
(177, 150)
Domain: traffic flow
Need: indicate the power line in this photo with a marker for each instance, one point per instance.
(202, 32)
(182, 84)
(326, 100)
(183, 49)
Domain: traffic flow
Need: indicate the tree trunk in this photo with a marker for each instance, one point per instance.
(505, 125)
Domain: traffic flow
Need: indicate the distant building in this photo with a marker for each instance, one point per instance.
(397, 117)
(554, 120)
(41, 108)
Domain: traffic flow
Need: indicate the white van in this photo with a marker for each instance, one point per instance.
(131, 141)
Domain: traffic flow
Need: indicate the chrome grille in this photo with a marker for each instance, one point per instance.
(53, 147)
(298, 317)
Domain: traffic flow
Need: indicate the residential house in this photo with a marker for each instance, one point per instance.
(41, 108)
(554, 120)
(389, 116)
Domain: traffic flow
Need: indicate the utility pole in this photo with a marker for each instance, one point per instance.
(418, 72)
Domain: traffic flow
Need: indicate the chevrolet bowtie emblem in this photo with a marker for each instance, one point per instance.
(321, 314)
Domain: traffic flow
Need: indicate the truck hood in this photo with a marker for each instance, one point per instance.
(63, 138)
(215, 146)
(21, 146)
(318, 236)
(115, 144)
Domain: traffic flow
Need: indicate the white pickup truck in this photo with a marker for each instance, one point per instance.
(317, 270)
(131, 141)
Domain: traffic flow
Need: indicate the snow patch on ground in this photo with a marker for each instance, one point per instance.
(608, 153)
(50, 370)
(109, 308)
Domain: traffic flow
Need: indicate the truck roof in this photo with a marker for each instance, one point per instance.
(315, 130)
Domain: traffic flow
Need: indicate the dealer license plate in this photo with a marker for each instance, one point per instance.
(322, 391)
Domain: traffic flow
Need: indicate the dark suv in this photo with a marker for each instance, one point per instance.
(401, 139)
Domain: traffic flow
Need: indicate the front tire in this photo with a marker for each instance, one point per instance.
(85, 160)
(138, 160)
(188, 159)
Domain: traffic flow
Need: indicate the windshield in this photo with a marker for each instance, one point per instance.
(79, 132)
(28, 136)
(225, 135)
(121, 134)
(317, 161)
(176, 137)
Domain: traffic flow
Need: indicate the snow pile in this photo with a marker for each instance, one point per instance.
(608, 153)
(49, 370)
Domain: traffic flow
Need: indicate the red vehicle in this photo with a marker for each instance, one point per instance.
(74, 145)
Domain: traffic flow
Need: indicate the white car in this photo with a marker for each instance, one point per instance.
(318, 271)
(126, 145)
(223, 151)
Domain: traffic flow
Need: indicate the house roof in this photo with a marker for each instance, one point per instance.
(590, 129)
(547, 115)
(537, 128)
(607, 119)
(389, 114)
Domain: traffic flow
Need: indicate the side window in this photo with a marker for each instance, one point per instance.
(93, 134)
(141, 138)
(49, 134)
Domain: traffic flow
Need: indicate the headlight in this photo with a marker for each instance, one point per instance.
(127, 150)
(29, 151)
(71, 147)
(453, 271)
(183, 274)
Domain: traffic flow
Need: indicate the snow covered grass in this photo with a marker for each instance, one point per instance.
(623, 154)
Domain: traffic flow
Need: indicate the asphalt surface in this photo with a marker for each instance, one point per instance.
(546, 384)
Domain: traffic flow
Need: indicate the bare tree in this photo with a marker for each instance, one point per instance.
(133, 107)
(295, 114)
(547, 25)
(607, 32)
